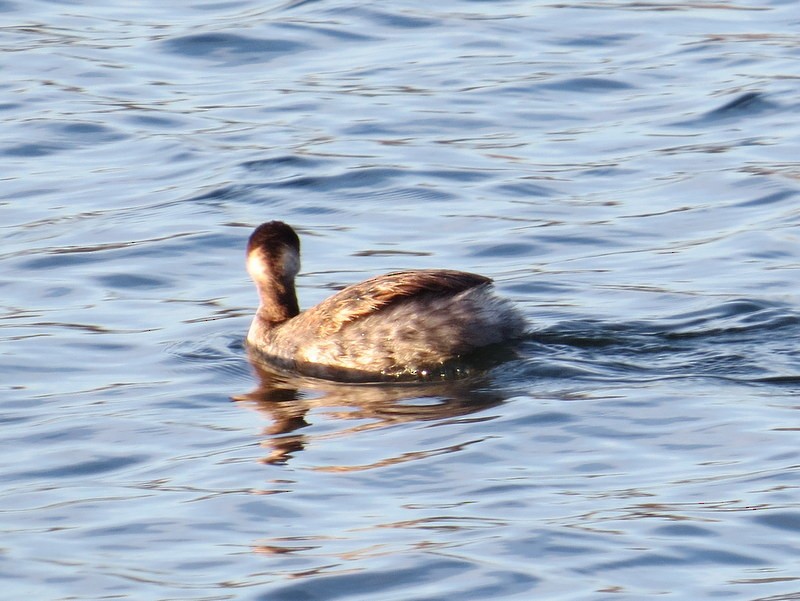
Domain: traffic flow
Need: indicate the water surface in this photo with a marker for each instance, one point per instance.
(626, 172)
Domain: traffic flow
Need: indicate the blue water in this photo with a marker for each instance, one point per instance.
(627, 173)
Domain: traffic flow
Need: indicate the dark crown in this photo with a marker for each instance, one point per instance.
(271, 236)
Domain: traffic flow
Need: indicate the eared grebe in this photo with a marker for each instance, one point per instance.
(402, 325)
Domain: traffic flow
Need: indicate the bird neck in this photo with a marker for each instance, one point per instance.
(278, 301)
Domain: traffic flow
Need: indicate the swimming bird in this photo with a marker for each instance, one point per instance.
(414, 324)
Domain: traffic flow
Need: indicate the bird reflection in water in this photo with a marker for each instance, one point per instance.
(286, 400)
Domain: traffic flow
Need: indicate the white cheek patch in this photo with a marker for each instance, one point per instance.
(262, 270)
(256, 265)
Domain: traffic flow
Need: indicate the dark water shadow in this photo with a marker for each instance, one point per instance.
(743, 106)
(739, 340)
(230, 48)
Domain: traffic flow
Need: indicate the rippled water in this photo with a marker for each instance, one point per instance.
(626, 171)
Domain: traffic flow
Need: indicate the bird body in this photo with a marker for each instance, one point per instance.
(401, 325)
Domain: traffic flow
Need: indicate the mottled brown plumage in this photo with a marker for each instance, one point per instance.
(402, 324)
(379, 292)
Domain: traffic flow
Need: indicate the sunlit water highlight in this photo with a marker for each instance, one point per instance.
(626, 172)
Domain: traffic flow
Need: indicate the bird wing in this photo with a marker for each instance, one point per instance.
(374, 294)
